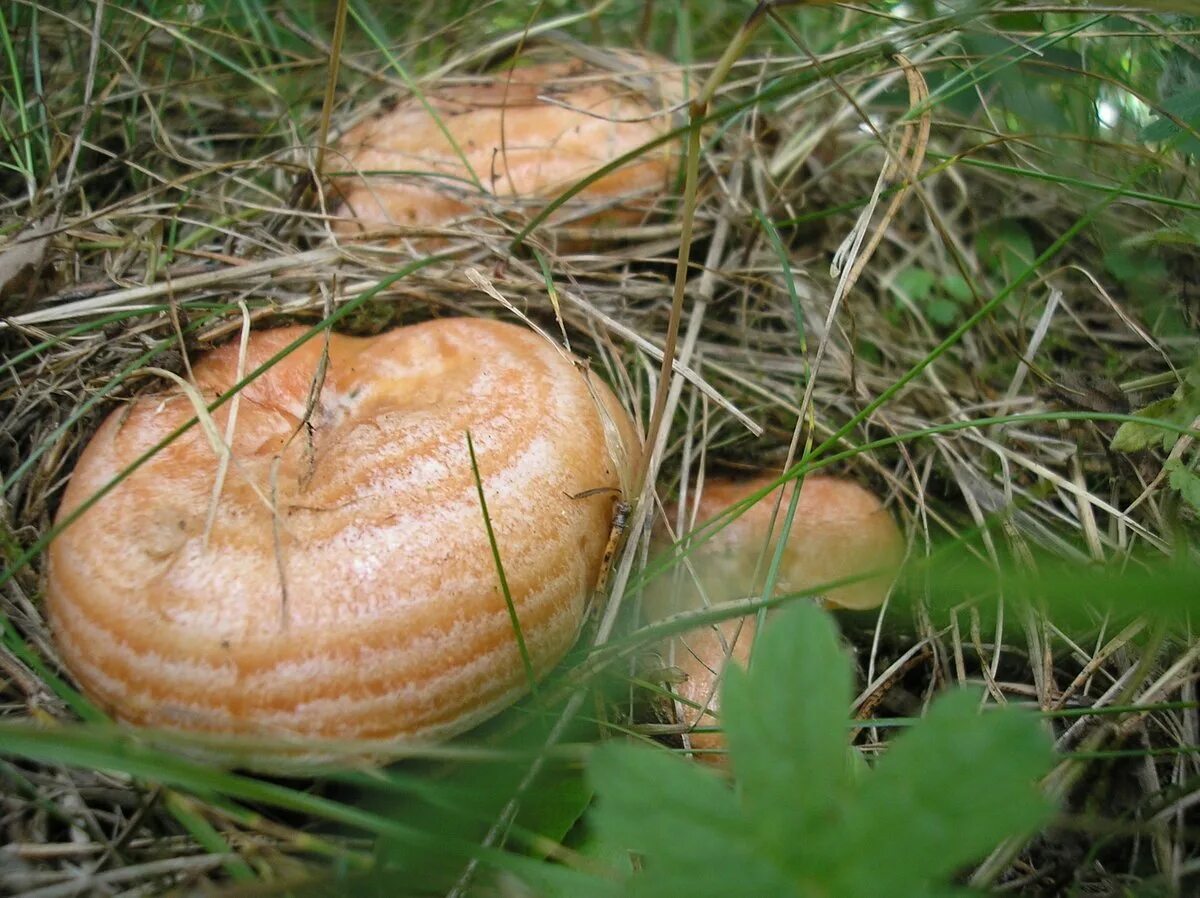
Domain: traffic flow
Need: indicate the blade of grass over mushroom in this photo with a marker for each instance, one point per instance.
(581, 185)
(794, 501)
(402, 173)
(785, 532)
(526, 662)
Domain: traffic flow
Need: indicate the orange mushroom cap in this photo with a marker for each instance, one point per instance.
(346, 588)
(840, 530)
(524, 135)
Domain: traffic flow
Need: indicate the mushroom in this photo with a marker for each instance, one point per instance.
(341, 585)
(520, 136)
(840, 531)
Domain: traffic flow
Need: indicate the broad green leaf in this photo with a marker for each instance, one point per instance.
(944, 795)
(1184, 481)
(785, 722)
(684, 822)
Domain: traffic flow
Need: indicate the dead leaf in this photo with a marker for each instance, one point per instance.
(21, 262)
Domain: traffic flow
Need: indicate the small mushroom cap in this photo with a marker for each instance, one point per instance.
(840, 530)
(346, 588)
(525, 135)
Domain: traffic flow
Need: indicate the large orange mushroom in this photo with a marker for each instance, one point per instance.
(340, 583)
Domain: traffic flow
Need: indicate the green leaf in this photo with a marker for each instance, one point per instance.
(956, 287)
(804, 821)
(915, 283)
(942, 311)
(1181, 408)
(1184, 481)
(1005, 247)
(785, 723)
(1133, 436)
(946, 794)
(1184, 106)
(1135, 267)
(555, 879)
(683, 821)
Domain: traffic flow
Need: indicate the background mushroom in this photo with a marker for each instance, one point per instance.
(342, 586)
(840, 530)
(521, 136)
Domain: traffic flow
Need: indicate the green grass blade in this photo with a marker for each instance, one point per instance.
(526, 661)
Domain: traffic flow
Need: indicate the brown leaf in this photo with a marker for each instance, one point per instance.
(21, 261)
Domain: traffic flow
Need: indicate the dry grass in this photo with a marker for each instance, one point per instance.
(181, 199)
